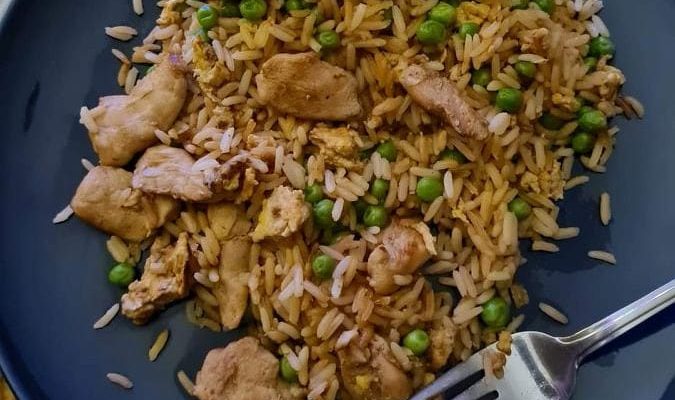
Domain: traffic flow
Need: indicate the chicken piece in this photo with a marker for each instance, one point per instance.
(106, 200)
(304, 86)
(127, 124)
(244, 370)
(338, 146)
(402, 252)
(168, 170)
(231, 291)
(442, 338)
(439, 96)
(228, 220)
(377, 377)
(282, 213)
(165, 279)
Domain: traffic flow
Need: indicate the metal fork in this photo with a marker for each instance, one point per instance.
(542, 366)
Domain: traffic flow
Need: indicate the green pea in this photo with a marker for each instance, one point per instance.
(509, 100)
(203, 35)
(313, 193)
(454, 155)
(229, 9)
(443, 13)
(584, 109)
(319, 16)
(468, 28)
(592, 121)
(121, 275)
(551, 122)
(293, 5)
(591, 63)
(429, 188)
(323, 213)
(520, 4)
(520, 208)
(387, 150)
(328, 40)
(287, 372)
(388, 15)
(601, 46)
(583, 142)
(253, 10)
(481, 77)
(360, 206)
(207, 16)
(417, 341)
(430, 32)
(323, 266)
(375, 216)
(526, 69)
(546, 6)
(496, 313)
(379, 188)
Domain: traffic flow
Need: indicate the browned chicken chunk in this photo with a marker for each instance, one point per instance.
(228, 220)
(377, 377)
(439, 96)
(231, 291)
(127, 125)
(282, 213)
(402, 252)
(338, 146)
(243, 370)
(304, 86)
(164, 280)
(442, 337)
(106, 200)
(168, 170)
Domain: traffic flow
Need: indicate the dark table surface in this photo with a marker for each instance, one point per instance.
(56, 58)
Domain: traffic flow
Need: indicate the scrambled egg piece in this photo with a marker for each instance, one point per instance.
(612, 79)
(469, 11)
(534, 40)
(567, 103)
(283, 213)
(338, 146)
(210, 74)
(171, 13)
(548, 182)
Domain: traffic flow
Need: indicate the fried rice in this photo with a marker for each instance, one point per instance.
(469, 231)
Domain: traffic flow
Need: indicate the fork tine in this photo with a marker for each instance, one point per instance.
(476, 391)
(451, 378)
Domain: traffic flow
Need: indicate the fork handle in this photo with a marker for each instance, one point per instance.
(602, 332)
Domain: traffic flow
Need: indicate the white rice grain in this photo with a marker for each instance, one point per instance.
(107, 317)
(186, 382)
(120, 380)
(158, 345)
(602, 256)
(499, 123)
(553, 313)
(605, 209)
(541, 245)
(63, 215)
(122, 33)
(137, 6)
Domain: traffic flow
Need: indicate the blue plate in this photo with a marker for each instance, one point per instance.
(53, 286)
